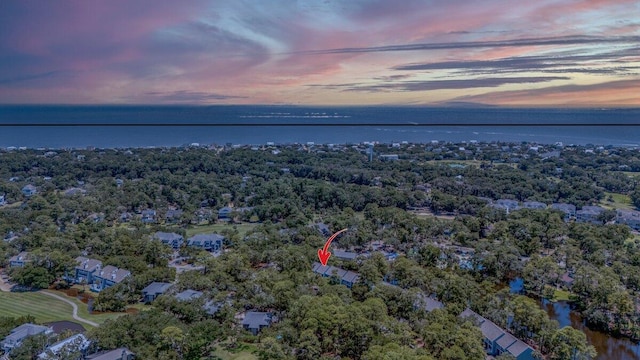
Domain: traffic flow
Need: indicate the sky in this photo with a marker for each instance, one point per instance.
(562, 53)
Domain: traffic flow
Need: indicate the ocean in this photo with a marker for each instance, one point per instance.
(167, 126)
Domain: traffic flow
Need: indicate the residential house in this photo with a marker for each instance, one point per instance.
(125, 217)
(19, 334)
(3, 201)
(347, 278)
(629, 217)
(74, 191)
(118, 354)
(589, 214)
(255, 321)
(148, 216)
(225, 213)
(389, 157)
(29, 190)
(344, 255)
(323, 228)
(86, 270)
(536, 205)
(569, 210)
(188, 295)
(19, 260)
(76, 343)
(496, 341)
(107, 277)
(173, 216)
(153, 290)
(119, 182)
(507, 205)
(172, 239)
(208, 242)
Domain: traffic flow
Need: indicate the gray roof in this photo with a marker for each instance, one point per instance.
(431, 304)
(593, 210)
(113, 273)
(346, 255)
(564, 207)
(534, 205)
(204, 237)
(29, 187)
(78, 341)
(518, 348)
(111, 354)
(628, 214)
(23, 331)
(490, 330)
(254, 320)
(88, 264)
(156, 288)
(167, 237)
(23, 256)
(189, 295)
(468, 313)
(351, 277)
(506, 340)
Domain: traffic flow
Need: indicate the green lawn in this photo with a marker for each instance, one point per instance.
(620, 201)
(243, 228)
(561, 295)
(45, 308)
(245, 352)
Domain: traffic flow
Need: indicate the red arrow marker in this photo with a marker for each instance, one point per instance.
(324, 254)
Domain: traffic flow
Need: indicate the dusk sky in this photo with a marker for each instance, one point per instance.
(307, 52)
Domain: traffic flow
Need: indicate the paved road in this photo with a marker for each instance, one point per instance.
(75, 308)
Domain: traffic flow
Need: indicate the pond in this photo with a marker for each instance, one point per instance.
(607, 346)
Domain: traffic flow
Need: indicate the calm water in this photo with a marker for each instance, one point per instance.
(357, 124)
(608, 347)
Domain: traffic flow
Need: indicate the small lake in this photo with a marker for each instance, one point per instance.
(607, 346)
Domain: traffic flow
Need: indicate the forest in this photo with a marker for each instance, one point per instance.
(434, 208)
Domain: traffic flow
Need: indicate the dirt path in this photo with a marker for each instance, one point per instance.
(75, 308)
(3, 285)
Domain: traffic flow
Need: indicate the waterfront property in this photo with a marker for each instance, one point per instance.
(172, 239)
(497, 341)
(62, 349)
(20, 333)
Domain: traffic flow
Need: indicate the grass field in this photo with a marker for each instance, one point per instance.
(46, 309)
(212, 228)
(620, 201)
(245, 352)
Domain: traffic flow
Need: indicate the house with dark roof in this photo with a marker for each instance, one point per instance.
(29, 190)
(344, 277)
(630, 218)
(208, 242)
(535, 205)
(590, 214)
(153, 290)
(225, 213)
(172, 239)
(118, 354)
(256, 321)
(188, 295)
(85, 270)
(344, 255)
(496, 341)
(19, 260)
(173, 216)
(107, 277)
(148, 216)
(569, 210)
(20, 333)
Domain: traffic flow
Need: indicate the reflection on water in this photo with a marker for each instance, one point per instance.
(607, 346)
